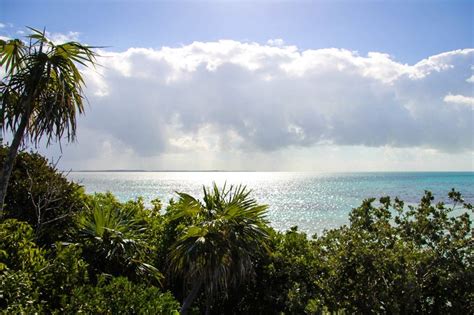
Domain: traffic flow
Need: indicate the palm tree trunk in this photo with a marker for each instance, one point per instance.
(10, 159)
(190, 298)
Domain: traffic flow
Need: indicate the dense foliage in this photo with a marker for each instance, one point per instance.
(41, 196)
(95, 255)
(113, 236)
(95, 246)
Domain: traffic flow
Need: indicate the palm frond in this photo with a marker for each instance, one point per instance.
(44, 83)
(12, 54)
(112, 236)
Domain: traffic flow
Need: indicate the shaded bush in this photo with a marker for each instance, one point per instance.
(284, 278)
(42, 196)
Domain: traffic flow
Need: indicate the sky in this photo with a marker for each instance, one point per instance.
(267, 85)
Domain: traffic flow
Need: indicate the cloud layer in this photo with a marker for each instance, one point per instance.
(234, 105)
(228, 95)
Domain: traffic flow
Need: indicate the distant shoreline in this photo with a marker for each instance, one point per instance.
(252, 171)
(161, 171)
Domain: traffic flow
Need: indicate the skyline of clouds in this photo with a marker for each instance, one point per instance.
(229, 96)
(211, 104)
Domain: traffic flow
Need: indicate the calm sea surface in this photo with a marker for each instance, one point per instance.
(313, 201)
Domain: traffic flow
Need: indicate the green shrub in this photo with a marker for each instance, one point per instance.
(17, 248)
(120, 296)
(66, 270)
(32, 278)
(21, 262)
(19, 293)
(392, 258)
(397, 259)
(284, 278)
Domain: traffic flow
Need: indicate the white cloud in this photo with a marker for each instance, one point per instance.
(276, 42)
(212, 102)
(459, 99)
(2, 25)
(60, 38)
(471, 78)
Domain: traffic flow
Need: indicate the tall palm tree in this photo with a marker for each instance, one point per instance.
(216, 251)
(41, 92)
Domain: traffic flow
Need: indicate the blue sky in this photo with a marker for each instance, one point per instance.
(408, 30)
(267, 85)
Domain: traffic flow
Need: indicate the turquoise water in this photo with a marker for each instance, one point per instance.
(313, 201)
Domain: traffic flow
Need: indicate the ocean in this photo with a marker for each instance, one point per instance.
(312, 201)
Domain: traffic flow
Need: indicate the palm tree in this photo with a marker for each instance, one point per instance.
(112, 236)
(217, 249)
(40, 94)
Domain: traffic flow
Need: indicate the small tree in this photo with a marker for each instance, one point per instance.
(40, 94)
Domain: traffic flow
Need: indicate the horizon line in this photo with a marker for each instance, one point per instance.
(256, 171)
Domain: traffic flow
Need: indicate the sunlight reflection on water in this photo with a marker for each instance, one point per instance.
(312, 201)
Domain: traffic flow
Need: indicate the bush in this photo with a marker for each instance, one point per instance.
(40, 195)
(19, 293)
(21, 262)
(32, 278)
(18, 251)
(397, 259)
(392, 258)
(120, 296)
(66, 270)
(284, 278)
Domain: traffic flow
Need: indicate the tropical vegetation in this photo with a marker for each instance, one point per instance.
(219, 255)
